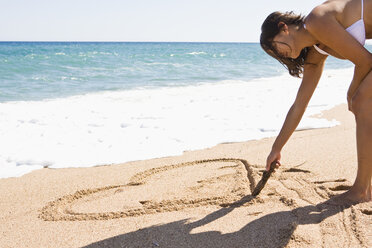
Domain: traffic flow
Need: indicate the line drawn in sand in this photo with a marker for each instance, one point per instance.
(231, 179)
(224, 182)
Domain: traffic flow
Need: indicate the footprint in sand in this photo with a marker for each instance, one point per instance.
(333, 187)
(163, 189)
(347, 227)
(341, 187)
(367, 211)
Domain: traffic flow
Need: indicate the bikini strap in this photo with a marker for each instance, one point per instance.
(362, 11)
(320, 50)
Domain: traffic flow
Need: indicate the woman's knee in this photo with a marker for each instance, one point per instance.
(362, 103)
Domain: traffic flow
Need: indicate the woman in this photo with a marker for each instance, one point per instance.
(338, 28)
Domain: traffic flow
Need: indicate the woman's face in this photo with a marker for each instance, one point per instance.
(284, 45)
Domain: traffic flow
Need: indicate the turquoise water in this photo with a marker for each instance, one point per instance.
(43, 70)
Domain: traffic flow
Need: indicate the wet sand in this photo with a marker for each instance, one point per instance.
(200, 199)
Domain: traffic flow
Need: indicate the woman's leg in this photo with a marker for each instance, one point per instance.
(362, 184)
(362, 108)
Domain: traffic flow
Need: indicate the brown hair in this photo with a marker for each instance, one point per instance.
(270, 28)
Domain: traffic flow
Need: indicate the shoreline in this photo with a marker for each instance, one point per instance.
(198, 199)
(98, 134)
(323, 115)
(316, 116)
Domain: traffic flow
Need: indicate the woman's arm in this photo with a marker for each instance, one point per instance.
(312, 72)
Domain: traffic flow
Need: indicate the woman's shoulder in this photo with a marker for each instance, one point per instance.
(329, 10)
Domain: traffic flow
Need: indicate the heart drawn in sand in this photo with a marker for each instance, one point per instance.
(162, 189)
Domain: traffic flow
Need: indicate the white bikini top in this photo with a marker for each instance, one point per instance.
(357, 30)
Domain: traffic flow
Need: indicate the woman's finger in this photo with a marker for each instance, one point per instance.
(268, 165)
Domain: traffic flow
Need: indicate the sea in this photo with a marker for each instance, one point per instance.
(83, 104)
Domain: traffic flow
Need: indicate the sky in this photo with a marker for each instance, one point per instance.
(140, 20)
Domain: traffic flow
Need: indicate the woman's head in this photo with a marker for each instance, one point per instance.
(277, 40)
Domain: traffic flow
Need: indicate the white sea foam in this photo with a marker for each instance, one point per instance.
(114, 127)
(196, 53)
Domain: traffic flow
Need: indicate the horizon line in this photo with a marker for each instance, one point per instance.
(132, 41)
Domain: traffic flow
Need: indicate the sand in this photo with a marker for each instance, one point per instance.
(200, 199)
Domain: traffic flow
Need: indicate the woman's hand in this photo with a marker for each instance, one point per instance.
(273, 156)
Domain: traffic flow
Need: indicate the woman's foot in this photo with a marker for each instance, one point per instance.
(351, 197)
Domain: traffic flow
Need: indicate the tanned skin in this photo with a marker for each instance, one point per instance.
(326, 26)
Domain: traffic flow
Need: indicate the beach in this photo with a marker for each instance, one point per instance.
(201, 198)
